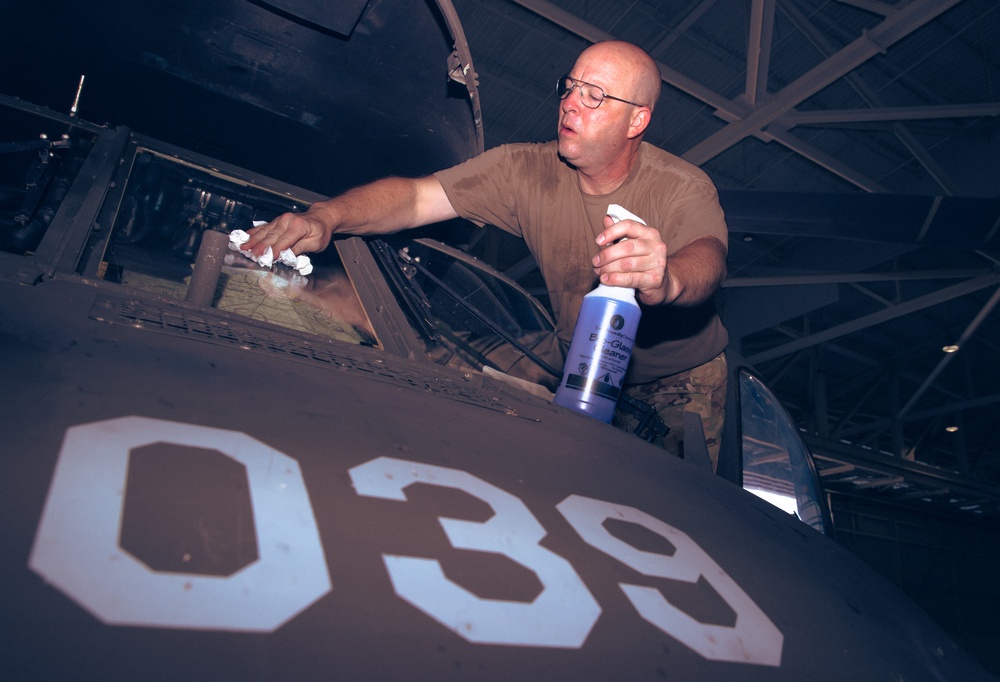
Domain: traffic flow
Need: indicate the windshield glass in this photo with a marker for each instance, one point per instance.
(171, 237)
(777, 466)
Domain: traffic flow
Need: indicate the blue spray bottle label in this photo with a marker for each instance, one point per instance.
(601, 347)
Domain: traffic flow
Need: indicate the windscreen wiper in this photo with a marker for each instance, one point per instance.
(415, 263)
(413, 296)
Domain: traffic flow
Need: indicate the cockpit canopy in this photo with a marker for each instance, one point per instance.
(321, 95)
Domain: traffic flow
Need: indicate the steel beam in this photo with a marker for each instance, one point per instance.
(852, 278)
(966, 335)
(759, 50)
(866, 321)
(873, 6)
(878, 39)
(832, 116)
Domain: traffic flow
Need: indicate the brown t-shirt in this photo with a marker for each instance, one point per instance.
(527, 190)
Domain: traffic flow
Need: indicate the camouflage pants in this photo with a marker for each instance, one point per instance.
(701, 390)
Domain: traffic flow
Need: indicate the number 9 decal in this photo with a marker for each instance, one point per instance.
(561, 616)
(754, 639)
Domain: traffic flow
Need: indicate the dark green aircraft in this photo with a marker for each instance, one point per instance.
(217, 470)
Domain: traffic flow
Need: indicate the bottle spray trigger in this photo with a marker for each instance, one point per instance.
(619, 214)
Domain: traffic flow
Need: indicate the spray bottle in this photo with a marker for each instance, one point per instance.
(601, 347)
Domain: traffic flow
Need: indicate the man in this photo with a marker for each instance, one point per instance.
(555, 196)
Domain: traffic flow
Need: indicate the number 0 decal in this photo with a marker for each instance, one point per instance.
(754, 639)
(561, 616)
(76, 547)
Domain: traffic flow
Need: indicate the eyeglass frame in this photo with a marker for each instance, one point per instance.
(579, 84)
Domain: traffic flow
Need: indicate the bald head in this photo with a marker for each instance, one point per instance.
(636, 72)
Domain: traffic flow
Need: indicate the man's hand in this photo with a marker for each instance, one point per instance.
(687, 277)
(639, 262)
(300, 232)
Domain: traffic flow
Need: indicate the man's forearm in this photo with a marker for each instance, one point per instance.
(384, 206)
(695, 272)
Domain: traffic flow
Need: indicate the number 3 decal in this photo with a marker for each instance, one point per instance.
(561, 616)
(754, 639)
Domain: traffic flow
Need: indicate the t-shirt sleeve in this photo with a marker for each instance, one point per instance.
(480, 190)
(696, 213)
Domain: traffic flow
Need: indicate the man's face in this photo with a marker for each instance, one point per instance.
(591, 139)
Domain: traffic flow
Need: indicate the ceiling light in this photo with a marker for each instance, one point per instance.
(950, 349)
(951, 429)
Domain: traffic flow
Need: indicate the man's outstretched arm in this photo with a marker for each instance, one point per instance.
(382, 207)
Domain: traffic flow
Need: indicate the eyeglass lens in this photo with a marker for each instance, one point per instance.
(591, 95)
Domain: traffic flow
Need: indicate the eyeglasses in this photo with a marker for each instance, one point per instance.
(590, 95)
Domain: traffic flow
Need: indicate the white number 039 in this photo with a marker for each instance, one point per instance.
(76, 549)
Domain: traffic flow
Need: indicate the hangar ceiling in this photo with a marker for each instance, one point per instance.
(856, 146)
